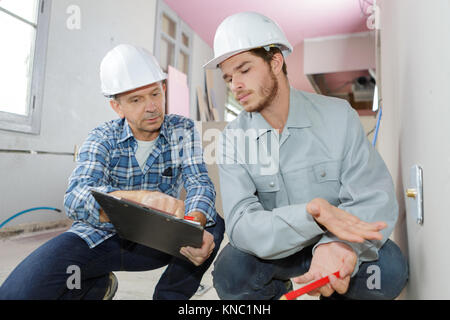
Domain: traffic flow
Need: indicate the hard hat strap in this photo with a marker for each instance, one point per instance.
(271, 46)
(284, 50)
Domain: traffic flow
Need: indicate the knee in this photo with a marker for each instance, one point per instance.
(218, 231)
(397, 269)
(43, 273)
(393, 269)
(232, 273)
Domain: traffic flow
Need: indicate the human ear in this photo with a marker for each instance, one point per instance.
(277, 63)
(117, 108)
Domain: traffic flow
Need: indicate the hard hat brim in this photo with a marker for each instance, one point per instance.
(214, 63)
(112, 94)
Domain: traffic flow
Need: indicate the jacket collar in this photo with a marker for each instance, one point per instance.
(127, 133)
(297, 116)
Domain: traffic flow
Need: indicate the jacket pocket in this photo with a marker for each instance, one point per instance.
(327, 171)
(324, 180)
(267, 188)
(168, 179)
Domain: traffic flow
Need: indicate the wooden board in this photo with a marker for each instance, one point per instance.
(202, 108)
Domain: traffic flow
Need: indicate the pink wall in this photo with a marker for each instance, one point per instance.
(299, 19)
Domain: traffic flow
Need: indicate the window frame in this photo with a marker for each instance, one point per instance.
(181, 27)
(31, 123)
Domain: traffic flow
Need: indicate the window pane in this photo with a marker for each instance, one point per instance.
(185, 40)
(167, 53)
(23, 8)
(16, 60)
(183, 62)
(169, 26)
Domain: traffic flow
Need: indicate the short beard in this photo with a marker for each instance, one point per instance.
(269, 92)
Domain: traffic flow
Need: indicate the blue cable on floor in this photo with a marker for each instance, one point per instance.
(25, 211)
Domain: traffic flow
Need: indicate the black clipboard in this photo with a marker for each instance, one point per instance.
(149, 226)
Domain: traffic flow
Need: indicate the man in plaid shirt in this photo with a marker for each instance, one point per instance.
(145, 156)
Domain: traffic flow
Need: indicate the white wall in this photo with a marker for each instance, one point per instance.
(415, 130)
(72, 102)
(202, 54)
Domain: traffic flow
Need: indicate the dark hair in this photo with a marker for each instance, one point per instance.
(267, 56)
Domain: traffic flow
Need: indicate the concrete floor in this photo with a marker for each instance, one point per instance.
(132, 285)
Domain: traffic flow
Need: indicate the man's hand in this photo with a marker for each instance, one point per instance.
(342, 224)
(103, 217)
(154, 199)
(198, 255)
(163, 202)
(199, 217)
(329, 258)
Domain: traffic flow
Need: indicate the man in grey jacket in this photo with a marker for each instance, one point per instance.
(304, 192)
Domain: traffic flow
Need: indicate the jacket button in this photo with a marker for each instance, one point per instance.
(323, 174)
(272, 184)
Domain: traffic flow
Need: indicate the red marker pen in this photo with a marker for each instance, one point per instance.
(314, 285)
(191, 219)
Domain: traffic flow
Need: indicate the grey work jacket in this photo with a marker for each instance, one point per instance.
(322, 152)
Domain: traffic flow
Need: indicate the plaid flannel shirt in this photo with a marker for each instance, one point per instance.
(106, 163)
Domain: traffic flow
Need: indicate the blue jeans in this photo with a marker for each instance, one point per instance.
(44, 273)
(239, 275)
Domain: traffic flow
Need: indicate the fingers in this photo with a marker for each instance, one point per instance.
(359, 231)
(195, 259)
(311, 276)
(346, 235)
(155, 199)
(179, 212)
(326, 290)
(172, 205)
(313, 209)
(336, 284)
(102, 216)
(305, 278)
(340, 285)
(343, 224)
(348, 266)
(164, 203)
(199, 255)
(326, 260)
(380, 225)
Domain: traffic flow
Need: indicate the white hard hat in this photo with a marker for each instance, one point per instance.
(245, 31)
(128, 67)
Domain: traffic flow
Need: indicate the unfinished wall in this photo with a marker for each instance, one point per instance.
(415, 130)
(202, 54)
(72, 102)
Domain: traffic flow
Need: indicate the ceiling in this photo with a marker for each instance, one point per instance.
(299, 19)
